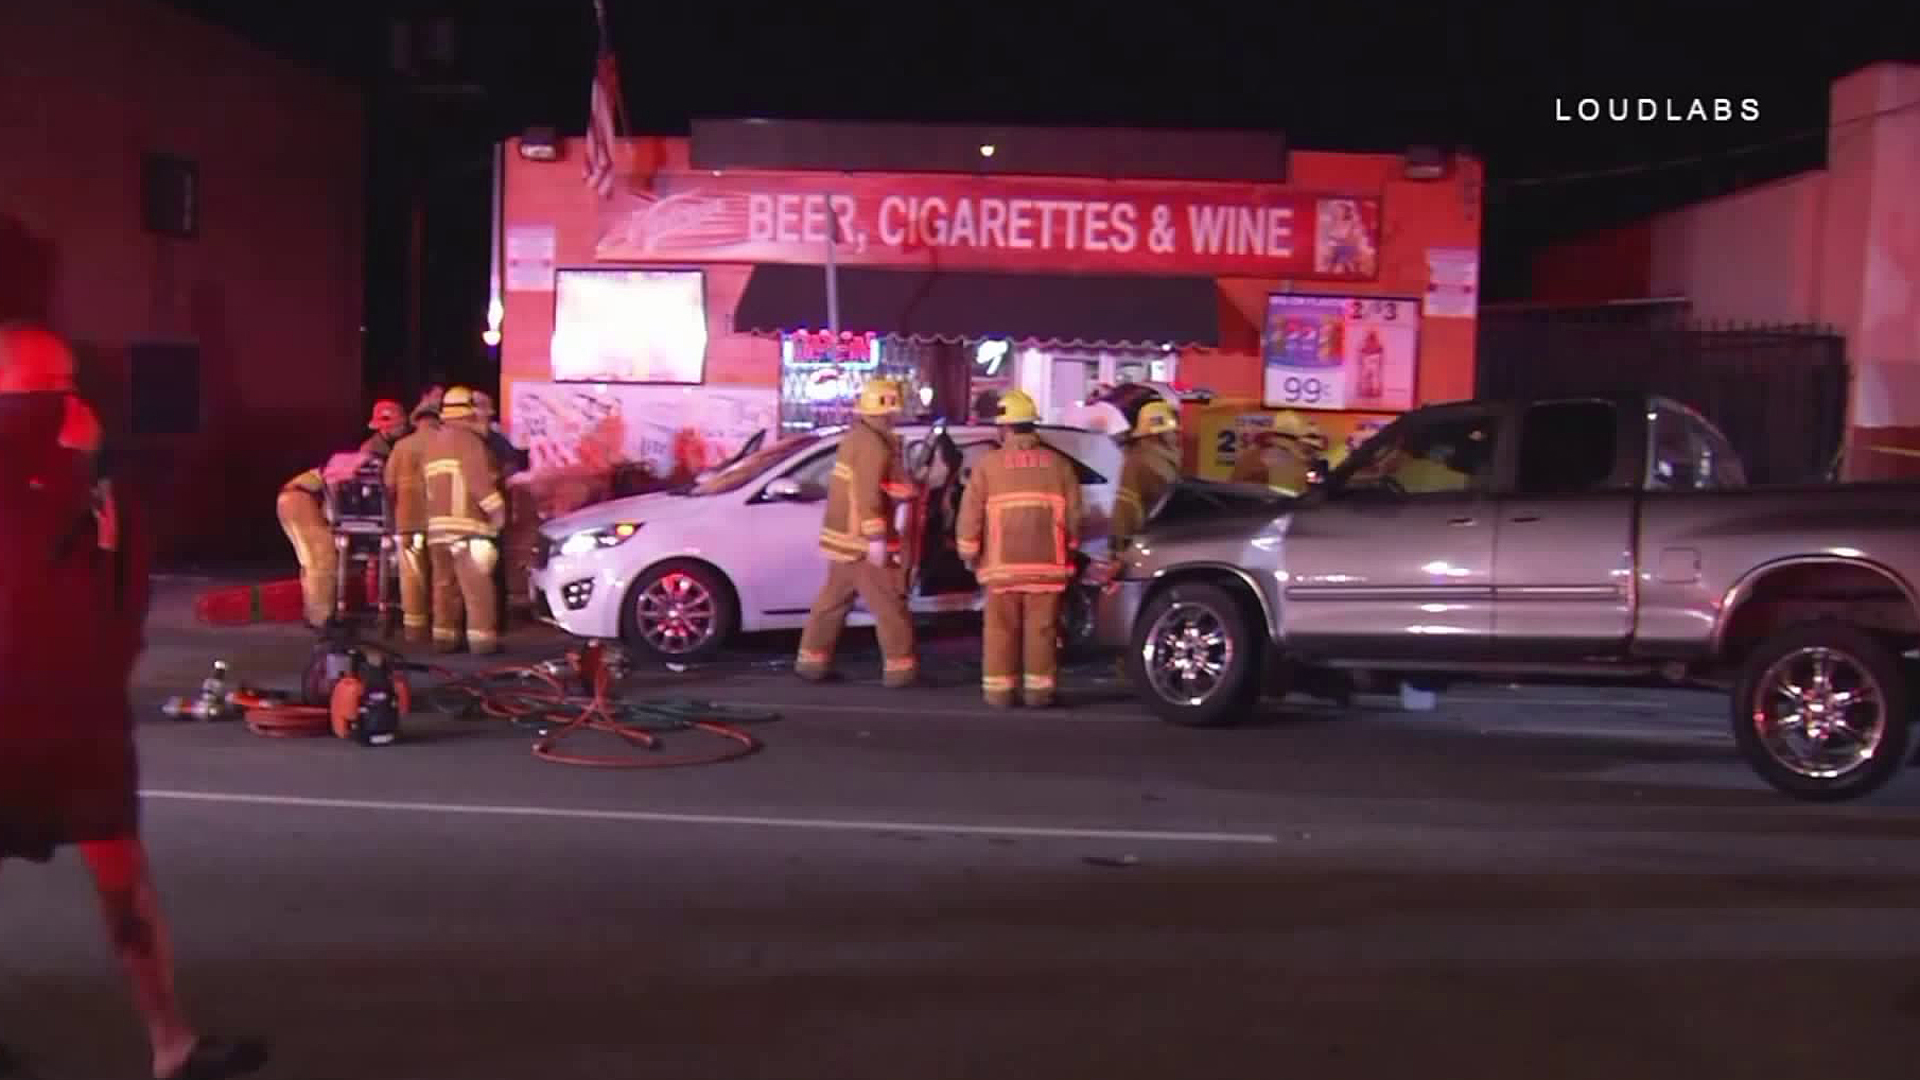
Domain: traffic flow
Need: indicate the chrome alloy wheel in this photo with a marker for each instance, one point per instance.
(1187, 654)
(1820, 712)
(676, 614)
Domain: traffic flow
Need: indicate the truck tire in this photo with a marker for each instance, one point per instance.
(1820, 711)
(1195, 656)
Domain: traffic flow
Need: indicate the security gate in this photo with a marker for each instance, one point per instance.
(1778, 392)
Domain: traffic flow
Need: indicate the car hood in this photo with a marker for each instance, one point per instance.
(638, 509)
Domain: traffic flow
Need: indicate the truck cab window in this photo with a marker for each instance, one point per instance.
(1567, 447)
(1449, 453)
(1684, 454)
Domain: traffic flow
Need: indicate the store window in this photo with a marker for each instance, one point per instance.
(821, 377)
(1070, 378)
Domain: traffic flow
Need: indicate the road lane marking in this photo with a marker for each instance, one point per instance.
(660, 818)
(1072, 715)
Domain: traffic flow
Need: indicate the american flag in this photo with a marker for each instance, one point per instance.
(600, 120)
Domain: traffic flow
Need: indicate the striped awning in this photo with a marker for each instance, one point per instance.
(1057, 311)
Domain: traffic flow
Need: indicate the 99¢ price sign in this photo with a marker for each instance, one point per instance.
(1339, 352)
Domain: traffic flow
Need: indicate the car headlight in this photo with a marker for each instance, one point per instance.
(605, 536)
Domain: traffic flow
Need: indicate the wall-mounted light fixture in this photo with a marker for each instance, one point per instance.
(1427, 163)
(987, 149)
(540, 144)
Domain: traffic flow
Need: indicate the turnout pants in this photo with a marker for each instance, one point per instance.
(1021, 635)
(416, 614)
(306, 527)
(880, 589)
(462, 572)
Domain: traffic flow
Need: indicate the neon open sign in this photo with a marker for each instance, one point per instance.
(819, 348)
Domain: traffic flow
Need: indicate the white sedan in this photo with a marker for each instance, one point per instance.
(677, 573)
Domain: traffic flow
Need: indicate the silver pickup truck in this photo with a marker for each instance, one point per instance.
(1583, 539)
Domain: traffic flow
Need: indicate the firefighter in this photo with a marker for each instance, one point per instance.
(508, 458)
(465, 512)
(1282, 457)
(406, 486)
(1149, 467)
(389, 426)
(1019, 525)
(301, 508)
(860, 542)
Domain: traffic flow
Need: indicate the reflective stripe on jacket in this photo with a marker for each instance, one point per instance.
(1149, 468)
(406, 480)
(463, 499)
(868, 475)
(1020, 517)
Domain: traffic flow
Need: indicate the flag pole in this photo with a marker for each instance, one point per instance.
(833, 276)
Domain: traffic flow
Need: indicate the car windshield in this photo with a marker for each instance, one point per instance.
(743, 472)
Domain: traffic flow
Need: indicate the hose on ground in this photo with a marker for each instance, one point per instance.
(533, 699)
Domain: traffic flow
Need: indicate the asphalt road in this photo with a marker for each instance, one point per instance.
(1530, 883)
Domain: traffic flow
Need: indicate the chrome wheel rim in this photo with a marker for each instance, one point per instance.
(1820, 712)
(1188, 653)
(676, 614)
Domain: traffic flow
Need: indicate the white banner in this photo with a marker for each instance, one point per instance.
(675, 430)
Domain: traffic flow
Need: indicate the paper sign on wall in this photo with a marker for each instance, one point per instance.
(1453, 283)
(530, 256)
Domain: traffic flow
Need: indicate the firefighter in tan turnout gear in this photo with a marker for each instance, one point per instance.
(406, 485)
(1149, 465)
(302, 509)
(465, 513)
(1019, 525)
(859, 538)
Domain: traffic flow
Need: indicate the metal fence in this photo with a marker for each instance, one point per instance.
(1779, 392)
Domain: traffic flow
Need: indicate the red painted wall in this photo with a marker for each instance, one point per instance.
(271, 286)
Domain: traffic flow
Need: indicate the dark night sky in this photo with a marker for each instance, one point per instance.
(1346, 76)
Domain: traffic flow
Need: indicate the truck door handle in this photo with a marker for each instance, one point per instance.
(1460, 521)
(1525, 518)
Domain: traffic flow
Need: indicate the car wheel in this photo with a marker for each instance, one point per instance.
(1821, 712)
(1076, 621)
(1195, 655)
(680, 611)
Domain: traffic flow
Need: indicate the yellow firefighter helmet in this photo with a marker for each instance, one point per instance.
(1016, 407)
(457, 404)
(879, 397)
(1156, 418)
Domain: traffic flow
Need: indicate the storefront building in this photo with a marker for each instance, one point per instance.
(752, 276)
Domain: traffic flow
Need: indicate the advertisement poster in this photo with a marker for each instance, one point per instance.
(998, 223)
(1226, 430)
(1340, 353)
(1453, 283)
(530, 251)
(676, 431)
(630, 326)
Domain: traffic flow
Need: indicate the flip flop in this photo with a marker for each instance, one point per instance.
(217, 1059)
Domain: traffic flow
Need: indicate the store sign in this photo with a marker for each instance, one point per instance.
(1228, 430)
(1340, 352)
(997, 223)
